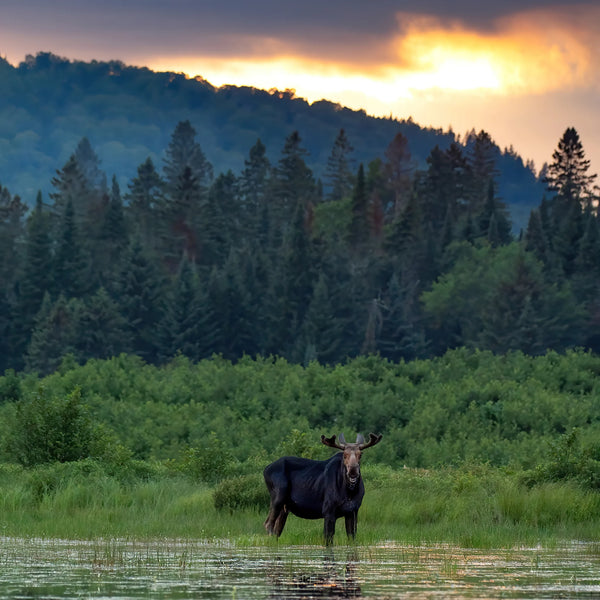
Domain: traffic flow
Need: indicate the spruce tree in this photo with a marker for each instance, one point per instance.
(359, 225)
(145, 199)
(71, 267)
(101, 328)
(567, 174)
(37, 270)
(338, 173)
(55, 334)
(139, 294)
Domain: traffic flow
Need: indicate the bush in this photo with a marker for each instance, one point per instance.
(50, 429)
(569, 459)
(244, 491)
(209, 463)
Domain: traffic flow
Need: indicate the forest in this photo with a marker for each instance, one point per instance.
(380, 259)
(48, 103)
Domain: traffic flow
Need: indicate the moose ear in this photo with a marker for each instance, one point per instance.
(331, 442)
(360, 439)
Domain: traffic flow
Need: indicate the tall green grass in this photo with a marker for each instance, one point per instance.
(473, 506)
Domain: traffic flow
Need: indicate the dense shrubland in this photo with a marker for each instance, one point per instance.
(214, 416)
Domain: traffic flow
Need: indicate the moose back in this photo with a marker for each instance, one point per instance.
(318, 489)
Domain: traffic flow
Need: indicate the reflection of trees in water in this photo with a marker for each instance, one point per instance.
(333, 579)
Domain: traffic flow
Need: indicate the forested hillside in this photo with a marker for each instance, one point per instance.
(49, 103)
(385, 259)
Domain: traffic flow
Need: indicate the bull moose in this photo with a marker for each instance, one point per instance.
(318, 489)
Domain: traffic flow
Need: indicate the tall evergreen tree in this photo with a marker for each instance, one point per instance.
(113, 236)
(360, 227)
(71, 268)
(568, 175)
(187, 324)
(399, 170)
(139, 295)
(37, 271)
(145, 199)
(338, 173)
(293, 182)
(56, 332)
(185, 152)
(101, 328)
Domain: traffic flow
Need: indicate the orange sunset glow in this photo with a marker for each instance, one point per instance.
(522, 75)
(431, 67)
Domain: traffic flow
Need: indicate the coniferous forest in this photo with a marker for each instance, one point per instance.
(378, 258)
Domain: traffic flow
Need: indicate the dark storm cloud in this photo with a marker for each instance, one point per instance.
(192, 24)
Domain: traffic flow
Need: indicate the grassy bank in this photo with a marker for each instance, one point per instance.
(472, 506)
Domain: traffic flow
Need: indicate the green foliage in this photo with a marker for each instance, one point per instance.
(243, 491)
(210, 462)
(570, 459)
(51, 429)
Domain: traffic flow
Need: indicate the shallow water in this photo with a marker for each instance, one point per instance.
(36, 568)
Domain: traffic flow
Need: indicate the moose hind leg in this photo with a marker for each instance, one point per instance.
(280, 521)
(277, 512)
(271, 519)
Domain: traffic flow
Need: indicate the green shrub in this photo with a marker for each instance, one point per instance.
(244, 491)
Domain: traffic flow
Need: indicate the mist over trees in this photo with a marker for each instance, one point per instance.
(383, 257)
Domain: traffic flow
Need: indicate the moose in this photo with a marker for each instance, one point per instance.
(318, 489)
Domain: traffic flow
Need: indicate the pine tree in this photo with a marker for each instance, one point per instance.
(101, 328)
(482, 154)
(293, 182)
(494, 221)
(222, 226)
(113, 237)
(89, 166)
(56, 332)
(12, 231)
(567, 175)
(322, 336)
(183, 326)
(139, 294)
(254, 179)
(37, 271)
(360, 227)
(71, 268)
(185, 152)
(145, 200)
(338, 173)
(399, 170)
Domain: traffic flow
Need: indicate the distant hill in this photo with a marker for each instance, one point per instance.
(128, 113)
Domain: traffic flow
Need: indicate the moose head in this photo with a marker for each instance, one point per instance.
(351, 452)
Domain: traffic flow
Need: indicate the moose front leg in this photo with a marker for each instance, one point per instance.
(329, 530)
(351, 523)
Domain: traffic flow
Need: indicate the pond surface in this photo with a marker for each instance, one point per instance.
(37, 568)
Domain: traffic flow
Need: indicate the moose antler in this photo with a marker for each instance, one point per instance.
(373, 439)
(332, 443)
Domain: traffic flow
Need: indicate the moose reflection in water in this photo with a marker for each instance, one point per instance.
(318, 489)
(334, 579)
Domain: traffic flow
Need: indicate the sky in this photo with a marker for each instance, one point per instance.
(523, 70)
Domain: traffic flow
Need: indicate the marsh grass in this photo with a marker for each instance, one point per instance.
(472, 506)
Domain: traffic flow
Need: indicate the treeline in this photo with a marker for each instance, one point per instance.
(216, 418)
(381, 259)
(48, 103)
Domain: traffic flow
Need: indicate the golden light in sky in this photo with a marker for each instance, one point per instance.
(528, 53)
(440, 72)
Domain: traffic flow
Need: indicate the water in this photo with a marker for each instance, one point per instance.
(170, 569)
